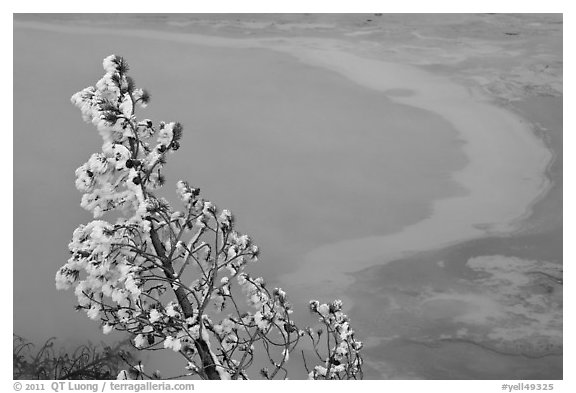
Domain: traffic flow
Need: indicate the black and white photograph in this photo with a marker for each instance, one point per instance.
(302, 196)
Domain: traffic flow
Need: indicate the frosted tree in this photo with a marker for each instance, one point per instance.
(176, 279)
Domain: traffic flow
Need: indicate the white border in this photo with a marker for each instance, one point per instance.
(356, 6)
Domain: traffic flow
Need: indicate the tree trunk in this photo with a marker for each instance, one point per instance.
(208, 363)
